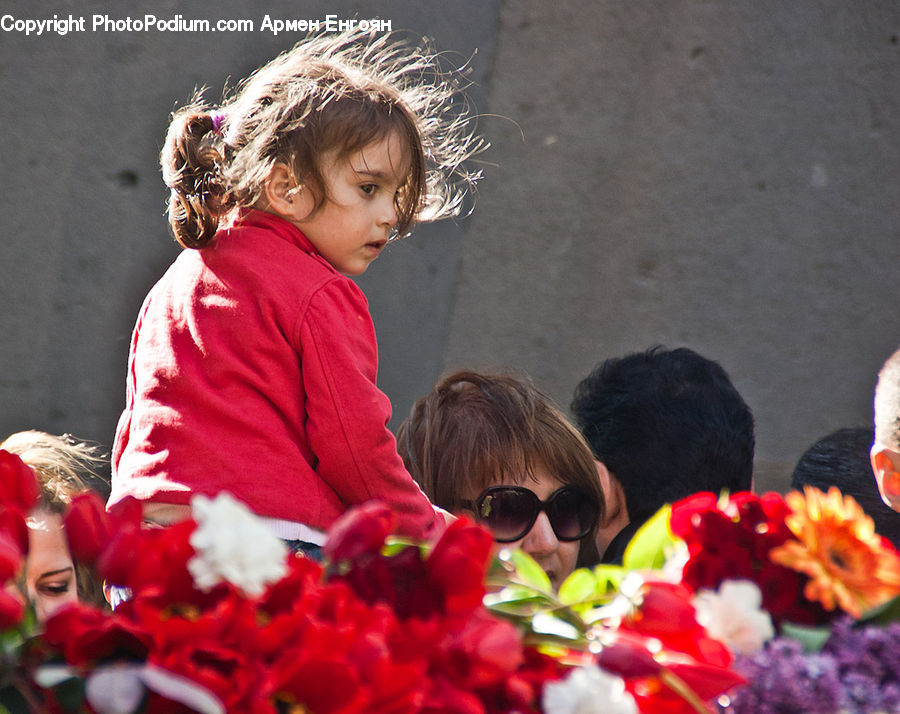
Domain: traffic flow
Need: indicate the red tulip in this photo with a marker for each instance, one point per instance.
(628, 660)
(483, 651)
(13, 526)
(121, 557)
(360, 530)
(706, 680)
(458, 564)
(86, 635)
(12, 609)
(302, 576)
(687, 511)
(666, 608)
(18, 486)
(446, 698)
(225, 671)
(11, 557)
(87, 527)
(324, 686)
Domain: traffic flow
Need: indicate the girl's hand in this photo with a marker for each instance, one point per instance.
(441, 521)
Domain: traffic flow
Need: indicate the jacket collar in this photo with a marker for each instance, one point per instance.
(254, 218)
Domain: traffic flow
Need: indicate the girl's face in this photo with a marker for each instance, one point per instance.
(556, 557)
(49, 571)
(352, 226)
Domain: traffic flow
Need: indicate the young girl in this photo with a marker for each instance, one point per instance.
(496, 448)
(253, 361)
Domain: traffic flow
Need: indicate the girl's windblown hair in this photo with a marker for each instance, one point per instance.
(330, 95)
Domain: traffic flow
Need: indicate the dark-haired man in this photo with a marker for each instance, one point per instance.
(665, 424)
(842, 459)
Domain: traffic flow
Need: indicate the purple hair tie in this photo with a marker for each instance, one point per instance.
(218, 119)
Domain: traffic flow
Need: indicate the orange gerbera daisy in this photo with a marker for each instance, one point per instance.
(848, 564)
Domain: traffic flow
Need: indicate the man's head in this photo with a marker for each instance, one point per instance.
(885, 453)
(666, 423)
(842, 459)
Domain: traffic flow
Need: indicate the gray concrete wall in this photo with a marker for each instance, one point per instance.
(720, 175)
(83, 234)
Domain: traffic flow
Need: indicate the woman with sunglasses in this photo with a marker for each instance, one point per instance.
(495, 448)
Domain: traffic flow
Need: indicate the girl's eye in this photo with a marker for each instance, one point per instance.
(368, 188)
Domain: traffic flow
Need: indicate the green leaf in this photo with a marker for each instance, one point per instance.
(12, 701)
(517, 601)
(608, 577)
(12, 639)
(397, 544)
(813, 639)
(70, 694)
(529, 572)
(552, 649)
(515, 593)
(498, 567)
(648, 549)
(545, 623)
(591, 616)
(581, 585)
(521, 610)
(883, 614)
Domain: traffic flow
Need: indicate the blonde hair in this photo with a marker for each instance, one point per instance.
(63, 465)
(330, 93)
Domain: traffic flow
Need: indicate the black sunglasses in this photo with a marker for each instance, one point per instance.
(510, 512)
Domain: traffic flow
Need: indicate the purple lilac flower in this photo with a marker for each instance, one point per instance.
(783, 680)
(868, 660)
(857, 672)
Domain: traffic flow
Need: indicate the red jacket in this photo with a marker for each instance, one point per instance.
(252, 370)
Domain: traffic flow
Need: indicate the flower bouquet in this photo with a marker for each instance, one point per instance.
(220, 618)
(799, 588)
(813, 563)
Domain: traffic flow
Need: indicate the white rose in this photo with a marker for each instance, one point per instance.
(734, 615)
(233, 545)
(588, 690)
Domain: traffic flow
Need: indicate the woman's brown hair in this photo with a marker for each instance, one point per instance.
(474, 429)
(331, 93)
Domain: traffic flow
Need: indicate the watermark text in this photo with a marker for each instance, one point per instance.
(66, 24)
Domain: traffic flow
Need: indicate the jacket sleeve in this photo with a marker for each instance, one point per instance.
(347, 415)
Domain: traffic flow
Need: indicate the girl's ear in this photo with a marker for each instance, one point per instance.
(281, 192)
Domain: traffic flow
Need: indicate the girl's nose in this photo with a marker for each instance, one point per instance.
(540, 540)
(388, 214)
